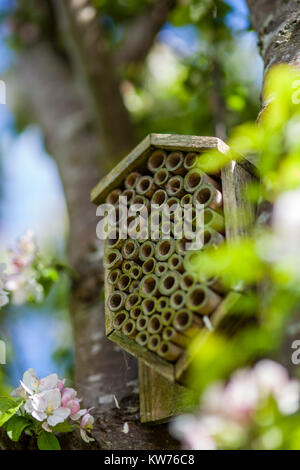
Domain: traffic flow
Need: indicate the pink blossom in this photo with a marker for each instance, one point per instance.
(86, 425)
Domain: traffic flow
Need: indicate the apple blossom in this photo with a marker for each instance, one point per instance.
(48, 402)
(47, 406)
(86, 425)
(229, 409)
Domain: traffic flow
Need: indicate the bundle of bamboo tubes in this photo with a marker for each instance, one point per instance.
(156, 299)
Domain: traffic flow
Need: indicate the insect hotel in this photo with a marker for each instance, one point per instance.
(154, 302)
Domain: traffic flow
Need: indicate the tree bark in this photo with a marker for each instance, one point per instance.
(277, 23)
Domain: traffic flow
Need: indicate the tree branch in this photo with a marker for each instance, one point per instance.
(141, 33)
(91, 55)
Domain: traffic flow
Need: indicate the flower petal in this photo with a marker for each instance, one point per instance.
(49, 383)
(59, 416)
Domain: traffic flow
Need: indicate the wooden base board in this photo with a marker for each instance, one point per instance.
(160, 399)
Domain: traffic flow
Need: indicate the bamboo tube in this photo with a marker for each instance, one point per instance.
(190, 216)
(187, 281)
(149, 286)
(136, 272)
(129, 328)
(142, 338)
(120, 216)
(113, 240)
(148, 266)
(142, 323)
(157, 160)
(130, 250)
(177, 300)
(174, 207)
(133, 300)
(202, 300)
(214, 220)
(131, 180)
(195, 178)
(176, 229)
(212, 237)
(154, 343)
(142, 201)
(159, 198)
(214, 283)
(113, 197)
(135, 312)
(162, 303)
(119, 319)
(146, 250)
(113, 276)
(190, 262)
(161, 177)
(161, 268)
(137, 227)
(174, 163)
(149, 306)
(169, 351)
(127, 265)
(116, 301)
(167, 316)
(134, 286)
(175, 263)
(154, 326)
(186, 200)
(164, 249)
(165, 229)
(170, 334)
(169, 283)
(190, 161)
(209, 196)
(175, 186)
(130, 195)
(145, 186)
(180, 246)
(185, 322)
(112, 259)
(124, 282)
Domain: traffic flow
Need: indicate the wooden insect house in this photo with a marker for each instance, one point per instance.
(154, 302)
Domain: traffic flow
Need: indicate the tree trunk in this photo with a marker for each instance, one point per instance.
(277, 23)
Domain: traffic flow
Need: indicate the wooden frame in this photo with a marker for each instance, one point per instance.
(235, 177)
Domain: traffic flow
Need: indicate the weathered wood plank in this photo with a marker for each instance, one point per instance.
(160, 400)
(151, 359)
(114, 178)
(239, 212)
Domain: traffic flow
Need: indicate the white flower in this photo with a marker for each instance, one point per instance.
(193, 433)
(32, 384)
(25, 252)
(86, 425)
(46, 406)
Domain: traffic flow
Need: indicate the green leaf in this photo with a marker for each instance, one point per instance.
(8, 408)
(15, 426)
(63, 427)
(47, 441)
